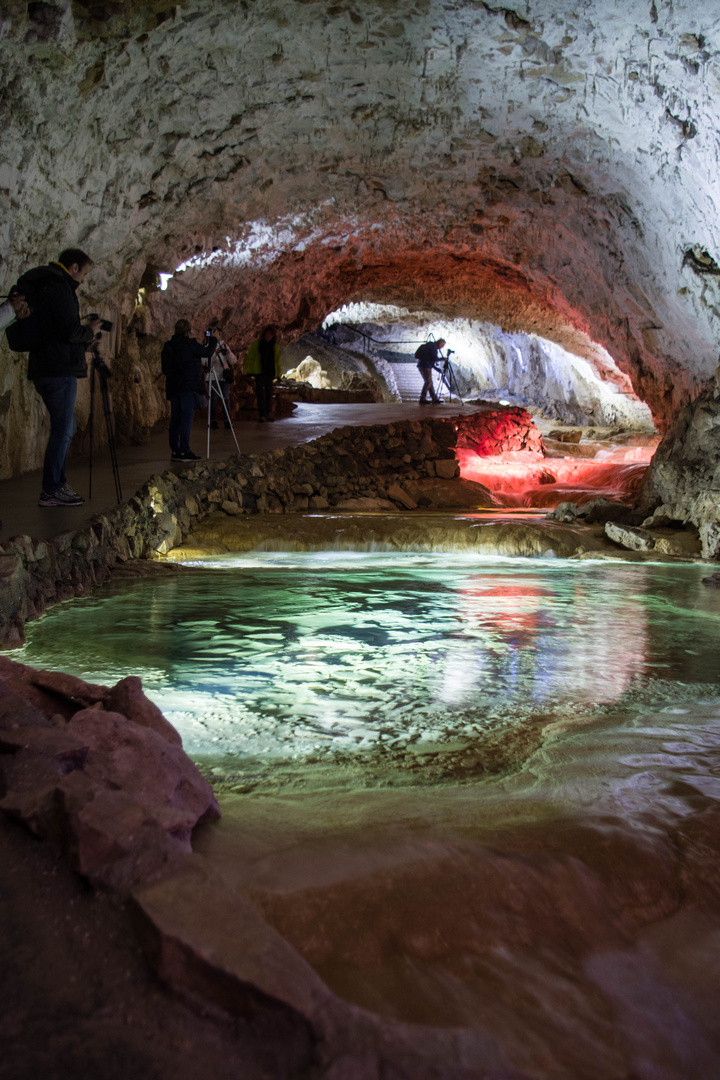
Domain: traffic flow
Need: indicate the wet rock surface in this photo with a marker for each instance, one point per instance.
(683, 482)
(117, 793)
(332, 929)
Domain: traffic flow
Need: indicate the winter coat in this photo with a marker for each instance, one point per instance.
(181, 365)
(253, 364)
(221, 361)
(65, 338)
(428, 355)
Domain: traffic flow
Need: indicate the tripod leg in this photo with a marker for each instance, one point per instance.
(211, 404)
(107, 411)
(91, 425)
(454, 382)
(229, 421)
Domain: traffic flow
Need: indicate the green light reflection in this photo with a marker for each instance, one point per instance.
(290, 653)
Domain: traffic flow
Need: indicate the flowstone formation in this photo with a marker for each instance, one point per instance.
(548, 168)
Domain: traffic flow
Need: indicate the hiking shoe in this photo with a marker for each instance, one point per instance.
(60, 498)
(67, 490)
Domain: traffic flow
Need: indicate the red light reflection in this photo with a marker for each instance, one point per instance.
(525, 479)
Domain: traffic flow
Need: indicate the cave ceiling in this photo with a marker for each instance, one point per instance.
(550, 165)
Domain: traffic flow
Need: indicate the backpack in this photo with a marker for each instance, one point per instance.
(26, 335)
(426, 354)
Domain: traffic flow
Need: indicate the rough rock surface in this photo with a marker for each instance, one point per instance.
(683, 481)
(489, 162)
(499, 431)
(119, 796)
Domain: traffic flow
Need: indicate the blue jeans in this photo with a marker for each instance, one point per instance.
(182, 410)
(58, 393)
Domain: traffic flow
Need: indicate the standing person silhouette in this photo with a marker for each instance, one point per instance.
(427, 357)
(184, 379)
(263, 362)
(58, 361)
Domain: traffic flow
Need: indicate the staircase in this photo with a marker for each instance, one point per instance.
(404, 368)
(409, 381)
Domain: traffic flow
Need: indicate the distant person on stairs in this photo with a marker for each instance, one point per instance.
(427, 357)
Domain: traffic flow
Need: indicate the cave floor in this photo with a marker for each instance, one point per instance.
(18, 497)
(77, 998)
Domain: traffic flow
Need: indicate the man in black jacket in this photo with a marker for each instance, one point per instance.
(427, 357)
(184, 379)
(58, 361)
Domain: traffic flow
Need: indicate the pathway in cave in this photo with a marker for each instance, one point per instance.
(18, 497)
(582, 479)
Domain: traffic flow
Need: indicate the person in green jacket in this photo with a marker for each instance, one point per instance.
(263, 362)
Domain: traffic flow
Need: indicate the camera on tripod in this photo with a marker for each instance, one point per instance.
(451, 352)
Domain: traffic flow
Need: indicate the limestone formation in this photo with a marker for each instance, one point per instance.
(683, 481)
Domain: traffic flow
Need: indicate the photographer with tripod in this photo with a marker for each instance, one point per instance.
(427, 357)
(184, 385)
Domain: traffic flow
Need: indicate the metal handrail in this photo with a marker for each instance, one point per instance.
(378, 341)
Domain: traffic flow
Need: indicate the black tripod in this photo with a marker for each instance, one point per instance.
(103, 372)
(447, 379)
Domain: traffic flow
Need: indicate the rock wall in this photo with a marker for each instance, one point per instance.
(683, 481)
(549, 169)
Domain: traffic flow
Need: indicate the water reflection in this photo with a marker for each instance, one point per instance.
(285, 653)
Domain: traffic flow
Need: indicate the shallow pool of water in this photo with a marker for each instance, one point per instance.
(478, 796)
(284, 655)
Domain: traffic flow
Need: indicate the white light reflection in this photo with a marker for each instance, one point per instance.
(282, 652)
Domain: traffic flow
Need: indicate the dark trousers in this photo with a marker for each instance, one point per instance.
(58, 393)
(182, 410)
(428, 388)
(264, 394)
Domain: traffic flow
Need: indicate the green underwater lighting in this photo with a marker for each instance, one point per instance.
(291, 654)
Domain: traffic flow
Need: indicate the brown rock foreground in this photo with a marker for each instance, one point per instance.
(114, 789)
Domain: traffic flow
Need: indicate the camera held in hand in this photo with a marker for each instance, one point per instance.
(105, 324)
